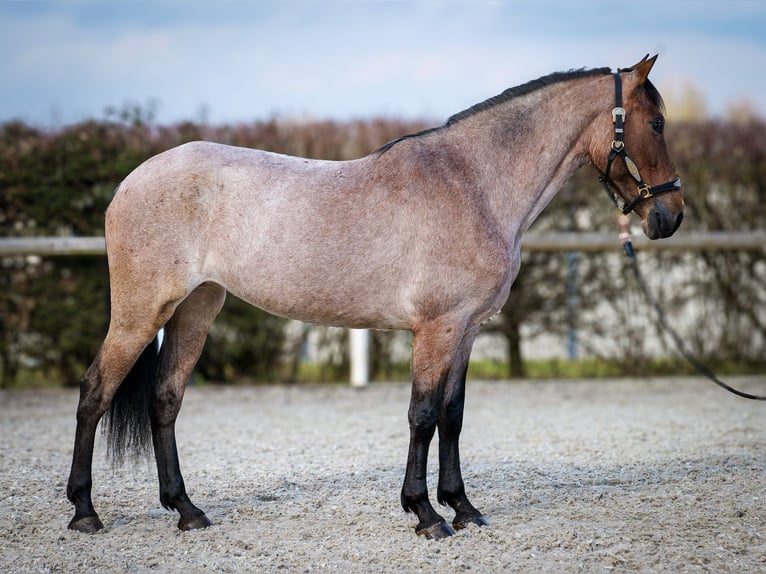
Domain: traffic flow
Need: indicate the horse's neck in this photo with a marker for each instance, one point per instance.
(529, 148)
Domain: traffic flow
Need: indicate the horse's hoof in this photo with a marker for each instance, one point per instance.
(87, 524)
(436, 531)
(461, 523)
(194, 522)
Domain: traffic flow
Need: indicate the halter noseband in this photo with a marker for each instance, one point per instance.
(645, 191)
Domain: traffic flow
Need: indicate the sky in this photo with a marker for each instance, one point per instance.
(233, 61)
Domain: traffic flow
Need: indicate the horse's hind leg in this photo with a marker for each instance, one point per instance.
(120, 350)
(185, 335)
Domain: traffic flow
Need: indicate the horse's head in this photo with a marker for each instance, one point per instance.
(636, 166)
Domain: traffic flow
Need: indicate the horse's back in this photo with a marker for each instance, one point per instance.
(276, 230)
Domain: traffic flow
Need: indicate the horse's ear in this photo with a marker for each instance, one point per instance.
(639, 72)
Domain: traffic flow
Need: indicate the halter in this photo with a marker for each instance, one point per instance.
(645, 191)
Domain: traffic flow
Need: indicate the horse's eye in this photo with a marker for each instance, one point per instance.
(658, 125)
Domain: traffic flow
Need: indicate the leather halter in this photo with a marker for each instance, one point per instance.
(645, 191)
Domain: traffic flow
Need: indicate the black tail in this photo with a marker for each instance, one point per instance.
(127, 423)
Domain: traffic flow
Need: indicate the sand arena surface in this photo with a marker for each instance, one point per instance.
(663, 475)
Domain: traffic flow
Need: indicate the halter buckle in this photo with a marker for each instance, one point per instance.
(618, 111)
(645, 191)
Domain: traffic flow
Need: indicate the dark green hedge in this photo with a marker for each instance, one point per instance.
(59, 182)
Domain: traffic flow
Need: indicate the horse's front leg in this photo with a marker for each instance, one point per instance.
(432, 353)
(451, 488)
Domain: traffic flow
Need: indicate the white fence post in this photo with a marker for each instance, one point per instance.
(359, 342)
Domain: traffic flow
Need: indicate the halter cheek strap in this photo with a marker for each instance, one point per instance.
(645, 191)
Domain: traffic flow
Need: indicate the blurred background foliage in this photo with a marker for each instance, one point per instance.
(58, 182)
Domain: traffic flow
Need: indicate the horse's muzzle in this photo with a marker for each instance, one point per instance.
(660, 222)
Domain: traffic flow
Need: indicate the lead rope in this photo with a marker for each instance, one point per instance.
(627, 245)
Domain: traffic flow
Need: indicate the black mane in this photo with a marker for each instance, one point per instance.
(516, 92)
(524, 89)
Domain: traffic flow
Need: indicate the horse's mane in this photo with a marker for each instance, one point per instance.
(522, 90)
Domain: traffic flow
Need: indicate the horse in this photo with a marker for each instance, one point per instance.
(422, 234)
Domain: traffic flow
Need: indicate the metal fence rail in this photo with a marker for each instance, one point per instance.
(52, 246)
(575, 241)
(359, 340)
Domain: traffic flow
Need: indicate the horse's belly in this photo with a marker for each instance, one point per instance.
(337, 295)
(323, 310)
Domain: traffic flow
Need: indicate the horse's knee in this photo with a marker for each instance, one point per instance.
(423, 417)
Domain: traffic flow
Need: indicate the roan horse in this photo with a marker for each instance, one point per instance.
(422, 234)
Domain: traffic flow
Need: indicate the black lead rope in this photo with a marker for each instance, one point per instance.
(663, 321)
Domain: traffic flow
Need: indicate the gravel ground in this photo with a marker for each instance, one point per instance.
(664, 475)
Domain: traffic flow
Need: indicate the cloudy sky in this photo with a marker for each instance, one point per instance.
(62, 61)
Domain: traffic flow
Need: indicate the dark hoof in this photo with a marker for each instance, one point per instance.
(461, 523)
(436, 531)
(194, 522)
(87, 524)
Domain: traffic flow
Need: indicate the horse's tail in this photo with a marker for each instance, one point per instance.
(127, 423)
